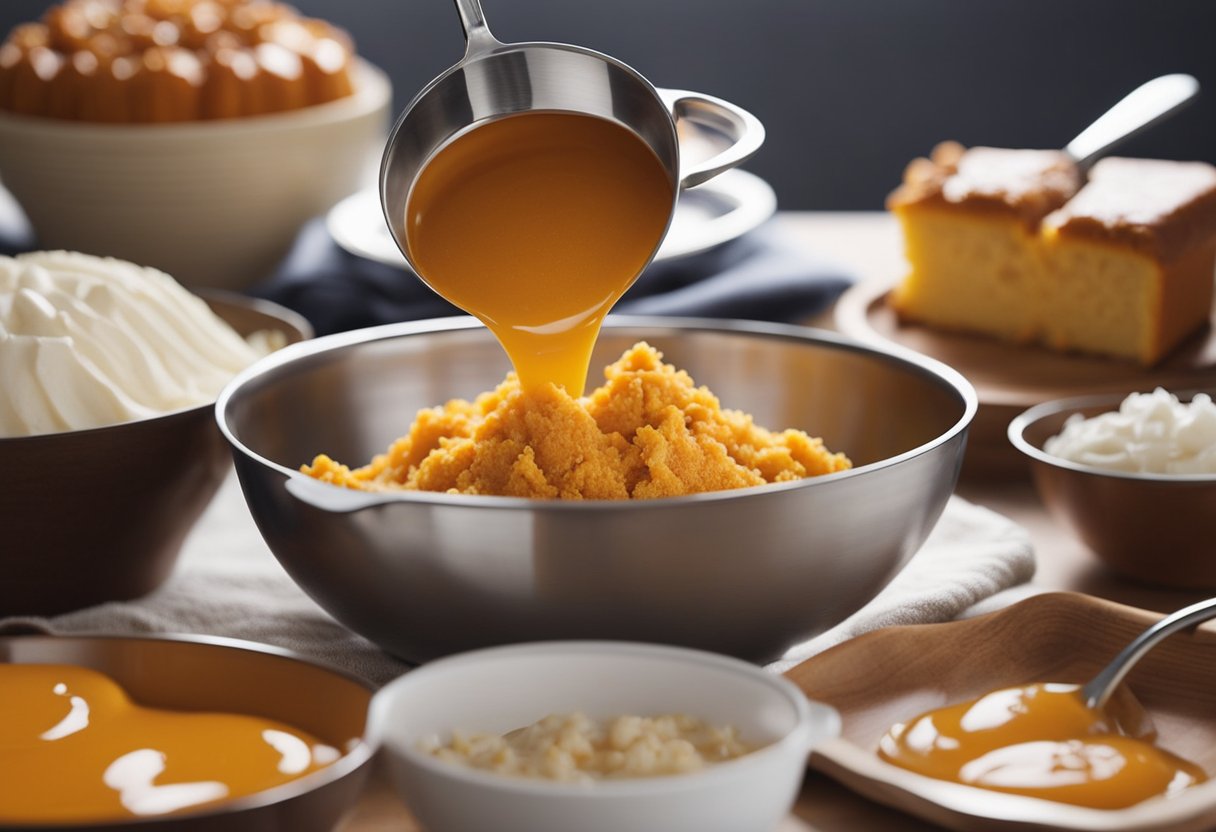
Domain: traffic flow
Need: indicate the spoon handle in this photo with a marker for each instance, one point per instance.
(1141, 108)
(1098, 690)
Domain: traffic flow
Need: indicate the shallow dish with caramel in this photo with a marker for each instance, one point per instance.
(890, 676)
(222, 686)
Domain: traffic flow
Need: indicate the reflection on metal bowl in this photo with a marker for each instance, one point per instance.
(745, 572)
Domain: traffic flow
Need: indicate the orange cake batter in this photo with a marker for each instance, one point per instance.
(75, 749)
(649, 431)
(1041, 741)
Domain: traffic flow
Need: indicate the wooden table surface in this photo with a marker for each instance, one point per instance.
(868, 244)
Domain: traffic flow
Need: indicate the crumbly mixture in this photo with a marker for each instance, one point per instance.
(648, 432)
(573, 748)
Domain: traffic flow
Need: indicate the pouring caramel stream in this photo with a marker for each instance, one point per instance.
(537, 223)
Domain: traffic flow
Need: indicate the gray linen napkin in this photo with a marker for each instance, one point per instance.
(229, 584)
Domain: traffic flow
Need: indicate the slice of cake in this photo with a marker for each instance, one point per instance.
(1002, 242)
(971, 222)
(1129, 260)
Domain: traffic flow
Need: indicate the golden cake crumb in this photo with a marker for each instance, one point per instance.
(647, 432)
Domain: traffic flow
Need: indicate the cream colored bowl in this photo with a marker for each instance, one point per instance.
(213, 203)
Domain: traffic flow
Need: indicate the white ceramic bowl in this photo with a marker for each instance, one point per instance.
(504, 688)
(213, 203)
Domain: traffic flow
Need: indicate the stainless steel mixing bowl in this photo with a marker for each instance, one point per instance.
(745, 572)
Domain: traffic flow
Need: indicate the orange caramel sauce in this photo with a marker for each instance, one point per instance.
(1041, 741)
(74, 748)
(536, 224)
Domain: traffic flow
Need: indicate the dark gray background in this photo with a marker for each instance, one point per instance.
(849, 90)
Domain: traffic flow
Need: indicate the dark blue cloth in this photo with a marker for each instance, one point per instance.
(758, 276)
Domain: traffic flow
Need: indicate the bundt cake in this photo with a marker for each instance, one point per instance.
(137, 61)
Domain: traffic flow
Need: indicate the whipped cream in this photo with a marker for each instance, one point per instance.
(88, 341)
(1151, 433)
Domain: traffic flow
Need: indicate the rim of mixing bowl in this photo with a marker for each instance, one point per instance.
(355, 500)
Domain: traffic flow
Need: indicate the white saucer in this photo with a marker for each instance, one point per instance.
(726, 207)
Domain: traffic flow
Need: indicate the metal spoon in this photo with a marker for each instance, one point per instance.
(1099, 689)
(1140, 109)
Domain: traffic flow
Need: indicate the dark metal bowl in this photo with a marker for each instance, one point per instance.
(1154, 528)
(100, 515)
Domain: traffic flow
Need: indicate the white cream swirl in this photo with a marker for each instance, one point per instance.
(1151, 433)
(89, 341)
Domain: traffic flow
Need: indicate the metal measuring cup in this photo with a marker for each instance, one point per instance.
(496, 79)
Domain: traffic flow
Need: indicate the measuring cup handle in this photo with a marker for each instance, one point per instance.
(743, 129)
(476, 32)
